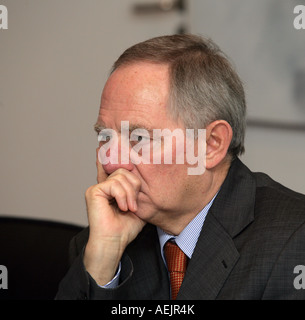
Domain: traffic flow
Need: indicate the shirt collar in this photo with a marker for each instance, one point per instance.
(187, 239)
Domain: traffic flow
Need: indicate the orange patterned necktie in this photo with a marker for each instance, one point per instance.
(176, 264)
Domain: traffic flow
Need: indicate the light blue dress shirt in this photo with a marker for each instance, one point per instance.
(187, 239)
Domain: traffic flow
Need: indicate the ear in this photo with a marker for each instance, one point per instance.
(218, 138)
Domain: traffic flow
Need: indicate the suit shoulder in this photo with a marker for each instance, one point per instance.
(264, 181)
(277, 199)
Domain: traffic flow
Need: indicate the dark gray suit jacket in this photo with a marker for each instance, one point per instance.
(252, 239)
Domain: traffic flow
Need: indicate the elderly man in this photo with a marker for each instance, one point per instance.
(157, 231)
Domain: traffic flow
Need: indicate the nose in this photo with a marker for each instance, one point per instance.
(114, 156)
(110, 168)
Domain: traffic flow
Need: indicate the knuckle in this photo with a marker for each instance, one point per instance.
(121, 171)
(89, 191)
(115, 183)
(120, 193)
(127, 177)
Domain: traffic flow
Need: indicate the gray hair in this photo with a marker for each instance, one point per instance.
(204, 87)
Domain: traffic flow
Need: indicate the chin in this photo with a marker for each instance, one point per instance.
(145, 211)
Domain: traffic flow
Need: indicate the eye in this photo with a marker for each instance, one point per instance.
(140, 138)
(104, 136)
(140, 135)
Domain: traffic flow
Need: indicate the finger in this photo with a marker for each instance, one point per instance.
(129, 176)
(117, 188)
(120, 196)
(131, 191)
(113, 191)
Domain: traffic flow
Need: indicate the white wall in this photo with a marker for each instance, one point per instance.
(260, 38)
(54, 60)
(278, 153)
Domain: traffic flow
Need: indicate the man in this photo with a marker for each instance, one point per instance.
(242, 234)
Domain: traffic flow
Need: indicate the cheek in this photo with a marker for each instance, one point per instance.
(163, 180)
(166, 188)
(173, 150)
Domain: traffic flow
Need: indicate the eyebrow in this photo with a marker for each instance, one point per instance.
(98, 127)
(133, 127)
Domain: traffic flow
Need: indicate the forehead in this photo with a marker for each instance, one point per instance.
(137, 92)
(143, 71)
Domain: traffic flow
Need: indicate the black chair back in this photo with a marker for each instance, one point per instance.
(35, 253)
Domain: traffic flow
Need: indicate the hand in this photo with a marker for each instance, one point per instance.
(111, 207)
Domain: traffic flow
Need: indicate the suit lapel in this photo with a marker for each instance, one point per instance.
(215, 254)
(212, 261)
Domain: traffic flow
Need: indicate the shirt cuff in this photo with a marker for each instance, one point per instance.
(114, 282)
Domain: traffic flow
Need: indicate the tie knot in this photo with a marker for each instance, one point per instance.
(175, 258)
